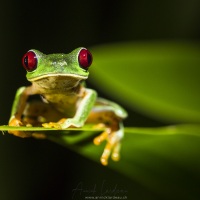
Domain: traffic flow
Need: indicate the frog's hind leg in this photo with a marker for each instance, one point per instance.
(113, 145)
(36, 113)
(105, 117)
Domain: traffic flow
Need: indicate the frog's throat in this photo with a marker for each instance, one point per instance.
(78, 77)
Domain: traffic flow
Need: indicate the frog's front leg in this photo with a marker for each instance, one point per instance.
(81, 115)
(17, 110)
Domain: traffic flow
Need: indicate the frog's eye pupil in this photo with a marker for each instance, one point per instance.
(29, 61)
(85, 59)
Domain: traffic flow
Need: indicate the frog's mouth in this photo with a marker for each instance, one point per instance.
(55, 82)
(58, 76)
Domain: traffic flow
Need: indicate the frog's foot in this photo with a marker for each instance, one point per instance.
(99, 126)
(113, 144)
(62, 124)
(17, 123)
(57, 125)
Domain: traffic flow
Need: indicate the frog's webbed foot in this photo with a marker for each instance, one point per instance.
(112, 147)
(57, 125)
(16, 122)
(63, 124)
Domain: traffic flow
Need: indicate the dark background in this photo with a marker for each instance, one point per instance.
(32, 169)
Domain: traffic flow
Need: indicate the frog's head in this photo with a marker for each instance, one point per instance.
(72, 66)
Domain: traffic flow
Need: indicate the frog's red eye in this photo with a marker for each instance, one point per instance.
(85, 59)
(29, 61)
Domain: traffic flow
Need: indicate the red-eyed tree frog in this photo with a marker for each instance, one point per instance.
(65, 101)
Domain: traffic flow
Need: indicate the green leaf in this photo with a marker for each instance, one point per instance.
(160, 79)
(40, 128)
(70, 136)
(152, 157)
(80, 140)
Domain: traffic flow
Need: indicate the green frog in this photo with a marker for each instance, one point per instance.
(65, 101)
